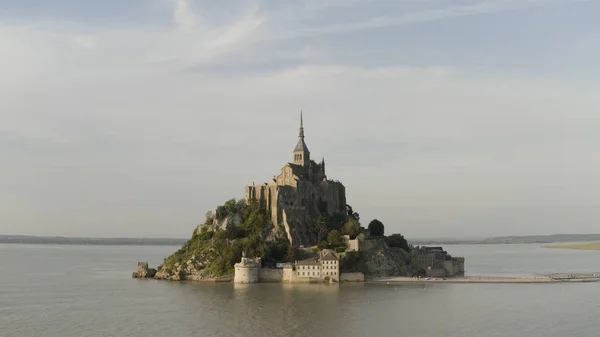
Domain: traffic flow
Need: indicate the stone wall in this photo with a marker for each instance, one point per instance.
(270, 275)
(294, 199)
(352, 277)
(351, 245)
(246, 274)
(246, 271)
(435, 272)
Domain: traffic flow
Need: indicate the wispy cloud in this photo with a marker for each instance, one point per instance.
(95, 116)
(417, 16)
(183, 16)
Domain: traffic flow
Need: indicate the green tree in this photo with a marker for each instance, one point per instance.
(397, 240)
(352, 228)
(321, 223)
(376, 228)
(290, 256)
(334, 238)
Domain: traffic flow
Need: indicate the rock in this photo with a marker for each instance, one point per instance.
(228, 222)
(143, 271)
(381, 261)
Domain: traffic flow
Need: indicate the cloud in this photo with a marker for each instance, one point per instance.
(126, 131)
(427, 14)
(183, 16)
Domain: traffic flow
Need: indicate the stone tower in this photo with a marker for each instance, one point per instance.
(301, 153)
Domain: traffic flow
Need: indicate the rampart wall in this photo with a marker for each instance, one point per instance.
(270, 275)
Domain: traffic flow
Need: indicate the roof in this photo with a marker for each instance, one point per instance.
(329, 257)
(301, 146)
(309, 262)
(297, 170)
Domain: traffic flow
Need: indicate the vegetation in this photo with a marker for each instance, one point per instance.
(334, 238)
(397, 240)
(353, 262)
(376, 228)
(219, 250)
(291, 254)
(230, 207)
(352, 228)
(322, 227)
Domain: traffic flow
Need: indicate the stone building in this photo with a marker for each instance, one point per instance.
(246, 271)
(436, 262)
(299, 194)
(326, 267)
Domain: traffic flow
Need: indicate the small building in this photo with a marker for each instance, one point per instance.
(246, 271)
(324, 268)
(351, 245)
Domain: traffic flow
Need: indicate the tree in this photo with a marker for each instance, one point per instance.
(352, 228)
(321, 222)
(290, 256)
(334, 238)
(397, 240)
(376, 228)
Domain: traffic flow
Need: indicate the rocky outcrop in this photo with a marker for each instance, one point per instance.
(380, 260)
(225, 223)
(299, 227)
(143, 271)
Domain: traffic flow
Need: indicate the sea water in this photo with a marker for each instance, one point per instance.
(64, 291)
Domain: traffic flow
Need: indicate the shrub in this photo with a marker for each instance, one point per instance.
(323, 245)
(334, 238)
(376, 228)
(397, 240)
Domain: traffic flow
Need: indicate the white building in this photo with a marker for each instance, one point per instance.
(247, 270)
(326, 267)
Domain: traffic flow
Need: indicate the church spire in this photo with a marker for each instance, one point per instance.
(301, 134)
(301, 153)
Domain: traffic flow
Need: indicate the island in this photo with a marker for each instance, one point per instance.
(297, 228)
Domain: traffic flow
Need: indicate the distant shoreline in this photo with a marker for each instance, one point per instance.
(60, 240)
(583, 246)
(527, 239)
(531, 239)
(482, 279)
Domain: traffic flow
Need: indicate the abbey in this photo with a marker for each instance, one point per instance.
(299, 194)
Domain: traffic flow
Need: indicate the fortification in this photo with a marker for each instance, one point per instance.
(299, 194)
(246, 271)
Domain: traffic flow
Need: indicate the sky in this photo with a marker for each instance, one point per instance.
(443, 118)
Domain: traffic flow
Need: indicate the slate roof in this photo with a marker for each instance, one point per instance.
(301, 146)
(308, 262)
(329, 257)
(298, 170)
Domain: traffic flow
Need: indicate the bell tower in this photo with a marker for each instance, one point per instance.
(301, 153)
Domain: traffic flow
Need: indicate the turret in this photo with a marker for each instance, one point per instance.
(301, 153)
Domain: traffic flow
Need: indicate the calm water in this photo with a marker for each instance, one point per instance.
(88, 291)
